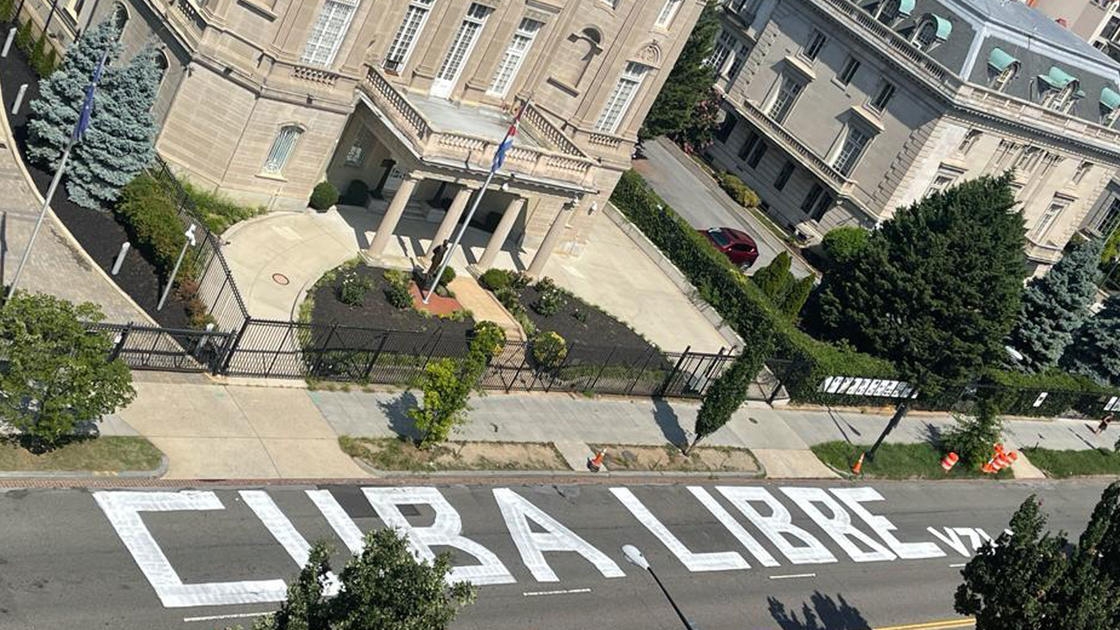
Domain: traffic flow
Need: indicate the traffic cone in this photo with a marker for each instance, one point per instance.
(596, 463)
(857, 468)
(949, 461)
(987, 467)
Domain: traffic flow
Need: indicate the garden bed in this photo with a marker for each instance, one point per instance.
(402, 454)
(670, 458)
(583, 324)
(897, 461)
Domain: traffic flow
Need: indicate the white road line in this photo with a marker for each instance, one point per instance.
(233, 616)
(958, 565)
(569, 591)
(790, 577)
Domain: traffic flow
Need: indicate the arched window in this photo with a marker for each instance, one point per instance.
(161, 65)
(930, 32)
(889, 12)
(925, 34)
(120, 18)
(282, 148)
(583, 48)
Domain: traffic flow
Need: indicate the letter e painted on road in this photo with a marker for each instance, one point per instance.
(123, 510)
(445, 531)
(517, 512)
(695, 562)
(852, 497)
(733, 526)
(838, 526)
(778, 525)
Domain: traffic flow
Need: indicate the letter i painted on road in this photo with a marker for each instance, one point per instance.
(733, 526)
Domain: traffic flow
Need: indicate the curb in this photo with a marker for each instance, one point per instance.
(582, 477)
(153, 474)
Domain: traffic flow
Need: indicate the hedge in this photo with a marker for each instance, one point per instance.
(150, 218)
(1015, 393)
(765, 331)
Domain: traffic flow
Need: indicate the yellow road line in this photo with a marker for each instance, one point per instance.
(946, 624)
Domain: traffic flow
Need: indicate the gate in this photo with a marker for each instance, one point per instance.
(167, 349)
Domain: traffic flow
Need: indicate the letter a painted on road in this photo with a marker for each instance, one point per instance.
(838, 526)
(517, 512)
(445, 531)
(778, 525)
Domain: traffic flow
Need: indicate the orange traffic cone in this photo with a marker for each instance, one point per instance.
(988, 466)
(949, 461)
(596, 463)
(857, 468)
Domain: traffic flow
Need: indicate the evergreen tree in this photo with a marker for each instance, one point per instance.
(1055, 305)
(796, 297)
(775, 279)
(724, 396)
(937, 288)
(689, 82)
(119, 142)
(56, 111)
(1095, 349)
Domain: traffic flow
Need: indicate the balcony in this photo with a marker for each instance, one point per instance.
(440, 132)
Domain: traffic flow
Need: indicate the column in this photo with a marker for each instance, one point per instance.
(392, 216)
(555, 231)
(451, 219)
(500, 233)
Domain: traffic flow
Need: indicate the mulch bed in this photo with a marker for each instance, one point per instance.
(98, 233)
(598, 329)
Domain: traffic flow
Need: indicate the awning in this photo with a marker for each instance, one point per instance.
(944, 27)
(1057, 78)
(1000, 60)
(905, 7)
(1110, 99)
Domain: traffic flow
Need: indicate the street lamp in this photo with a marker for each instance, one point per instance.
(635, 557)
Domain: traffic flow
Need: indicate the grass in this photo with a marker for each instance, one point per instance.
(103, 454)
(217, 210)
(1062, 464)
(668, 457)
(401, 454)
(897, 461)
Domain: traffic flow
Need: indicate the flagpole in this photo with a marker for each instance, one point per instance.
(474, 206)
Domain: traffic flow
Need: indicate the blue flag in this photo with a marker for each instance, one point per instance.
(507, 142)
(87, 105)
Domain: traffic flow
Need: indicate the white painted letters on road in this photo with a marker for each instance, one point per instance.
(838, 526)
(284, 532)
(338, 519)
(733, 526)
(445, 531)
(517, 512)
(777, 525)
(123, 511)
(852, 497)
(951, 540)
(714, 561)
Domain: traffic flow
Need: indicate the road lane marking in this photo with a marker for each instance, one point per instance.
(957, 565)
(946, 624)
(795, 575)
(570, 591)
(230, 616)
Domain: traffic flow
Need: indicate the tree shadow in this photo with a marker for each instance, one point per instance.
(934, 436)
(37, 446)
(669, 422)
(821, 612)
(396, 411)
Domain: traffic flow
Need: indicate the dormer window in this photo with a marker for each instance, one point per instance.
(1059, 89)
(890, 12)
(1109, 106)
(930, 32)
(1002, 67)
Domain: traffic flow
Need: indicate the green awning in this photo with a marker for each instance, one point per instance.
(1057, 78)
(1000, 60)
(1110, 99)
(944, 27)
(905, 7)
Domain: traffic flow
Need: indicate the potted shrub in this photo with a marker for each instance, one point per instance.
(324, 197)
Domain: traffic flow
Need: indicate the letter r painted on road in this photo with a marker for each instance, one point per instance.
(123, 511)
(445, 531)
(778, 525)
(838, 526)
(517, 512)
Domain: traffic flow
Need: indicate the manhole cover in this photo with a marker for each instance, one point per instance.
(280, 279)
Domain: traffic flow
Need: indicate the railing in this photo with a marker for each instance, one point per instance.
(315, 75)
(604, 140)
(192, 14)
(556, 138)
(397, 104)
(817, 164)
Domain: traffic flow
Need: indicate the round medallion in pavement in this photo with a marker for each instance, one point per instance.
(280, 279)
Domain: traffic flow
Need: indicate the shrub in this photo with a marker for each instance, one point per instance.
(796, 297)
(550, 298)
(357, 194)
(447, 277)
(495, 279)
(38, 57)
(737, 190)
(972, 437)
(1015, 393)
(153, 225)
(844, 244)
(7, 7)
(519, 280)
(509, 299)
(353, 289)
(24, 38)
(215, 210)
(324, 196)
(397, 289)
(488, 338)
(549, 350)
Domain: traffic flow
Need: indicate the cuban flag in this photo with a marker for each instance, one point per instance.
(87, 105)
(507, 142)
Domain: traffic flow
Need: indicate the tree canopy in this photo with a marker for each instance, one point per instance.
(1095, 349)
(689, 82)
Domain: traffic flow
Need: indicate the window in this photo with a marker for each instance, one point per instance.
(888, 11)
(756, 155)
(816, 203)
(848, 72)
(925, 34)
(1027, 160)
(1048, 218)
(74, 7)
(725, 128)
(161, 65)
(725, 43)
(745, 9)
(784, 100)
(970, 139)
(515, 54)
(620, 98)
(281, 149)
(1082, 170)
(463, 43)
(784, 175)
(1060, 100)
(811, 199)
(405, 40)
(748, 145)
(737, 62)
(120, 18)
(816, 43)
(328, 32)
(886, 92)
(944, 178)
(1004, 77)
(1111, 219)
(855, 141)
(1111, 29)
(355, 155)
(667, 12)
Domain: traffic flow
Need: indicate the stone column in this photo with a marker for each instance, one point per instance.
(500, 233)
(451, 219)
(555, 231)
(392, 216)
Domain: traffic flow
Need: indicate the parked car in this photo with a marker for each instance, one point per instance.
(737, 245)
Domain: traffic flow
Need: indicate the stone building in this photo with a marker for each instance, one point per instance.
(262, 99)
(839, 112)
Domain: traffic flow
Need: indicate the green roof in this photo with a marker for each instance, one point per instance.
(1057, 78)
(1000, 60)
(1109, 98)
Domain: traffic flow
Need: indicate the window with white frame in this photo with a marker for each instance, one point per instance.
(514, 56)
(328, 32)
(737, 63)
(813, 48)
(668, 11)
(281, 150)
(887, 11)
(925, 34)
(725, 43)
(463, 42)
(855, 141)
(788, 92)
(944, 178)
(621, 97)
(1110, 219)
(1060, 100)
(1049, 218)
(415, 17)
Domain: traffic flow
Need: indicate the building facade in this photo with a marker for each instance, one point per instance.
(262, 99)
(840, 112)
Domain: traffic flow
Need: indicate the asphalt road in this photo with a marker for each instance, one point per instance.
(680, 182)
(63, 565)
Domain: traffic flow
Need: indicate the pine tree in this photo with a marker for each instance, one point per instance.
(775, 279)
(56, 111)
(1055, 305)
(119, 142)
(689, 82)
(1095, 349)
(724, 396)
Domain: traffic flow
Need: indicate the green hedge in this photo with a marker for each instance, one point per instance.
(216, 210)
(764, 330)
(148, 214)
(1015, 392)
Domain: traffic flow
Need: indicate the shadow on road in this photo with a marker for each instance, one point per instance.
(821, 612)
(669, 422)
(397, 412)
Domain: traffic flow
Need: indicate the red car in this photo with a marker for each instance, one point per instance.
(737, 245)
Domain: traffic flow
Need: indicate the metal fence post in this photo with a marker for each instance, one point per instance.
(322, 350)
(116, 353)
(602, 368)
(673, 373)
(228, 360)
(521, 366)
(432, 351)
(376, 355)
(552, 381)
(649, 357)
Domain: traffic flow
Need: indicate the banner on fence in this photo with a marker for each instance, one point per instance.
(1113, 404)
(870, 387)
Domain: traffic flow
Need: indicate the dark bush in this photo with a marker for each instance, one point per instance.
(354, 288)
(844, 244)
(24, 38)
(737, 190)
(495, 279)
(153, 225)
(7, 8)
(447, 277)
(357, 194)
(324, 196)
(397, 290)
(509, 299)
(550, 298)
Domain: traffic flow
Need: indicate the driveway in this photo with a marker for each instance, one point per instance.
(697, 198)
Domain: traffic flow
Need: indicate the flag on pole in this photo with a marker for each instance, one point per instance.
(507, 142)
(87, 105)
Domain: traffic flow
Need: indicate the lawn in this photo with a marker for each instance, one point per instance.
(896, 461)
(402, 454)
(103, 454)
(1062, 464)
